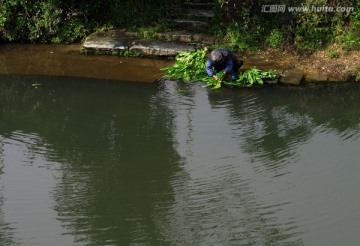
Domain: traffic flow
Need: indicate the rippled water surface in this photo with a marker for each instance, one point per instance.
(97, 162)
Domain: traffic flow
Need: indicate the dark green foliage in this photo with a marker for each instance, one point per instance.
(349, 35)
(243, 23)
(274, 39)
(68, 21)
(190, 66)
(40, 21)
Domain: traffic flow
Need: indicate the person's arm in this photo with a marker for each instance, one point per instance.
(209, 68)
(229, 66)
(210, 71)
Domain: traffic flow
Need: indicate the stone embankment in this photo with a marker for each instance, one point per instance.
(188, 24)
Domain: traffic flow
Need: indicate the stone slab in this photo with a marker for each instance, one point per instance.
(208, 41)
(182, 36)
(197, 14)
(315, 78)
(115, 42)
(189, 24)
(158, 48)
(335, 80)
(292, 77)
(107, 40)
(199, 5)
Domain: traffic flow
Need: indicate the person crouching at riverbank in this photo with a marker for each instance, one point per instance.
(222, 59)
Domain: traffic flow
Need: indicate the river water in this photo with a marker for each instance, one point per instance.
(106, 162)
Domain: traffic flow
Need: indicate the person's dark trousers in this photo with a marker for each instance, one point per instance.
(237, 65)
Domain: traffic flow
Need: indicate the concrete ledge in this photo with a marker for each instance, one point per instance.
(116, 42)
(199, 5)
(158, 48)
(188, 24)
(292, 77)
(112, 39)
(315, 78)
(176, 36)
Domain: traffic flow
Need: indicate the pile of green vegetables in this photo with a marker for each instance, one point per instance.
(190, 66)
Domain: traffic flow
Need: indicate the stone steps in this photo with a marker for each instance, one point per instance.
(199, 5)
(186, 24)
(199, 1)
(184, 36)
(199, 13)
(192, 16)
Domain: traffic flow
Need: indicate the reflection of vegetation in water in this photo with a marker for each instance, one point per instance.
(2, 65)
(270, 131)
(111, 154)
(273, 121)
(6, 231)
(242, 208)
(333, 106)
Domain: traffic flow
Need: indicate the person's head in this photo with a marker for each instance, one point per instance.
(216, 56)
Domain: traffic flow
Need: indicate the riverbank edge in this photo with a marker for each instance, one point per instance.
(316, 68)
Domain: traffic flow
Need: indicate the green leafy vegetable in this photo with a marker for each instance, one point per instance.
(250, 77)
(190, 66)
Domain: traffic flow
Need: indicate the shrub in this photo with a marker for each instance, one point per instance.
(349, 40)
(69, 21)
(274, 40)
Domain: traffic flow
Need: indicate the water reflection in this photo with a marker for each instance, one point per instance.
(242, 151)
(5, 230)
(115, 151)
(215, 197)
(177, 164)
(271, 127)
(60, 60)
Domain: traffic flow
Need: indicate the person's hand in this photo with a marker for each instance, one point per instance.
(216, 78)
(227, 75)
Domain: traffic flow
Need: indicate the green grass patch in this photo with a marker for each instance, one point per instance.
(334, 53)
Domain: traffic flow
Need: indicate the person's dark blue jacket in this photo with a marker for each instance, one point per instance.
(227, 63)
